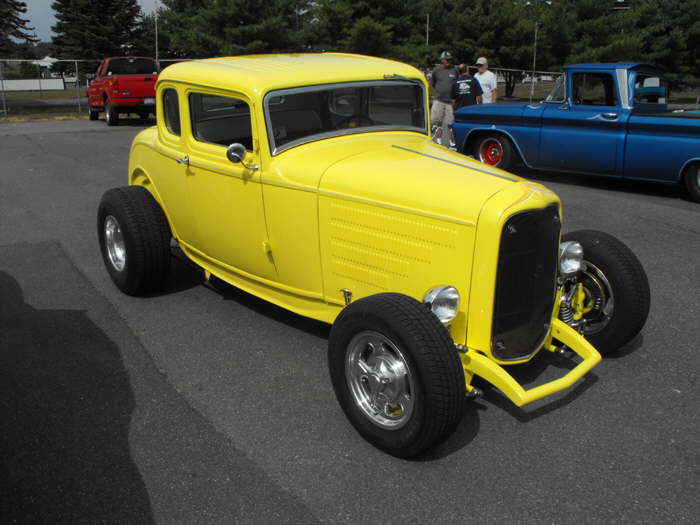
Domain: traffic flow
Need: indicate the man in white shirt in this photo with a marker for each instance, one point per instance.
(488, 81)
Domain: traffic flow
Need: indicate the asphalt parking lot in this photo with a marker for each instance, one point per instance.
(202, 405)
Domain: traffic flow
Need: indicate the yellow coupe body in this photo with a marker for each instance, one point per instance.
(315, 222)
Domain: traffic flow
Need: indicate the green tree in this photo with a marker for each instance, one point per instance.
(368, 37)
(93, 29)
(13, 27)
(198, 28)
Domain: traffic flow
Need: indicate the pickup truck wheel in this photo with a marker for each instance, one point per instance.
(616, 288)
(134, 239)
(396, 373)
(94, 114)
(494, 149)
(111, 115)
(691, 178)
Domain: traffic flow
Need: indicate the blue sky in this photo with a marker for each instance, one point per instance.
(41, 15)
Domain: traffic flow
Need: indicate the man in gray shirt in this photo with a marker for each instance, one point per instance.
(441, 114)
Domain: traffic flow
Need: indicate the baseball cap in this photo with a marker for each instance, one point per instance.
(446, 55)
(481, 61)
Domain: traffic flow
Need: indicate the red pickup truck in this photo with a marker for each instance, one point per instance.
(123, 85)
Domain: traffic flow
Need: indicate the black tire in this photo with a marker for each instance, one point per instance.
(628, 282)
(94, 114)
(505, 145)
(146, 237)
(691, 180)
(111, 115)
(431, 357)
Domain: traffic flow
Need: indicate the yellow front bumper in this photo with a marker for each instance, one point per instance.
(478, 364)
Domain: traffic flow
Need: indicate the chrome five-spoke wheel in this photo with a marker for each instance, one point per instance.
(379, 379)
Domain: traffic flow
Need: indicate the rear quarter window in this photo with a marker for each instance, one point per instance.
(171, 111)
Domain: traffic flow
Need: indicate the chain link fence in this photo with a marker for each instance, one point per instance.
(50, 87)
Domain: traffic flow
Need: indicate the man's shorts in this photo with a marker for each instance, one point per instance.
(441, 114)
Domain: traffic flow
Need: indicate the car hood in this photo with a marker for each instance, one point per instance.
(411, 172)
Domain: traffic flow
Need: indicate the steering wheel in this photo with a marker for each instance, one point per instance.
(358, 120)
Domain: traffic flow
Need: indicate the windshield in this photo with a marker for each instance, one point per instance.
(295, 116)
(558, 92)
(132, 66)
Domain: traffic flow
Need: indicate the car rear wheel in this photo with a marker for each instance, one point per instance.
(494, 149)
(134, 239)
(111, 115)
(691, 179)
(396, 373)
(616, 288)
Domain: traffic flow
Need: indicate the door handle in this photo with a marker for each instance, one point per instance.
(184, 160)
(609, 116)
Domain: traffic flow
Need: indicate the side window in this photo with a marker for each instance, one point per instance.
(220, 120)
(171, 111)
(594, 89)
(99, 68)
(650, 88)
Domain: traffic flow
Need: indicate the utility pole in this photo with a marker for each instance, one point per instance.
(156, 21)
(427, 29)
(534, 64)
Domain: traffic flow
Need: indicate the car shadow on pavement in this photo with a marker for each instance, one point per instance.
(531, 374)
(184, 275)
(262, 307)
(65, 403)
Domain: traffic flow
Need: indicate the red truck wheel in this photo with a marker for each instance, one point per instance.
(111, 115)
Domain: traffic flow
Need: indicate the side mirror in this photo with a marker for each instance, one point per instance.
(236, 153)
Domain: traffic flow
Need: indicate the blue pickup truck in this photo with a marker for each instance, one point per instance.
(601, 119)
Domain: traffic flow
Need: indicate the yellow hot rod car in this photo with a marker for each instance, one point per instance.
(310, 180)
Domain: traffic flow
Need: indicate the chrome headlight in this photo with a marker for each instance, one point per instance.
(443, 302)
(570, 258)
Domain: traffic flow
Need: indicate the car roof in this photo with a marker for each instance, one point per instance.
(608, 66)
(262, 73)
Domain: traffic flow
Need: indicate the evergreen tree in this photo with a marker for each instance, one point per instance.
(94, 29)
(199, 28)
(13, 27)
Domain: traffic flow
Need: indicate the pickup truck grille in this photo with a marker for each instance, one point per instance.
(525, 283)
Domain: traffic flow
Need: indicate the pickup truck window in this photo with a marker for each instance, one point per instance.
(594, 89)
(300, 115)
(220, 120)
(132, 66)
(558, 93)
(171, 111)
(650, 88)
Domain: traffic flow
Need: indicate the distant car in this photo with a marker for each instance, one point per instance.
(123, 85)
(311, 181)
(600, 119)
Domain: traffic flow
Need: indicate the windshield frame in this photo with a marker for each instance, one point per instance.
(275, 150)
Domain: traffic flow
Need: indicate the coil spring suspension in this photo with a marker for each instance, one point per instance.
(566, 314)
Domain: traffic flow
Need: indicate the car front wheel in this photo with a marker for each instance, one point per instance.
(396, 373)
(616, 289)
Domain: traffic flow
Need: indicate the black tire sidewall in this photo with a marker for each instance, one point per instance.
(125, 278)
(629, 283)
(389, 440)
(111, 115)
(423, 341)
(690, 180)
